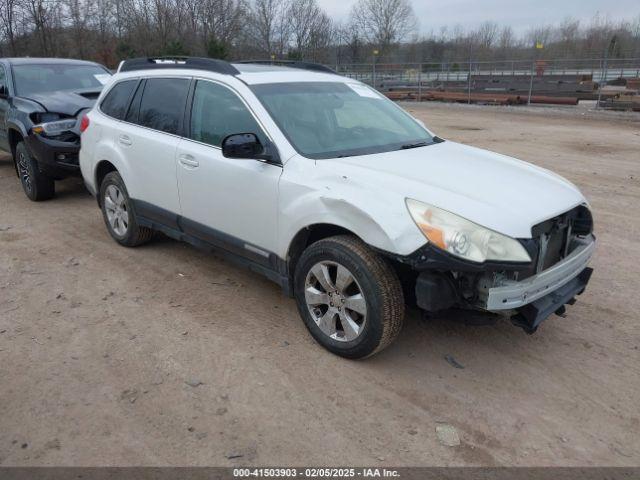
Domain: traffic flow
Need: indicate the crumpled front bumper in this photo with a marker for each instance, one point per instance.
(534, 313)
(56, 158)
(513, 294)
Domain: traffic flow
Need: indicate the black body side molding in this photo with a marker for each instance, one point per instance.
(208, 239)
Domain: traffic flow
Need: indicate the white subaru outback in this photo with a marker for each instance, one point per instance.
(334, 192)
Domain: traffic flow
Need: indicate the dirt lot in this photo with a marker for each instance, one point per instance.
(165, 355)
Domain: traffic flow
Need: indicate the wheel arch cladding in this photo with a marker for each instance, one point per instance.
(309, 235)
(325, 212)
(103, 167)
(15, 136)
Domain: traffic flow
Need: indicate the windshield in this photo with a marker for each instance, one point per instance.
(329, 120)
(39, 78)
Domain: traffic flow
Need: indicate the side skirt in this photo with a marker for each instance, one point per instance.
(208, 239)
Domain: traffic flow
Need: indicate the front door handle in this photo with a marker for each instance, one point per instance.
(124, 140)
(188, 161)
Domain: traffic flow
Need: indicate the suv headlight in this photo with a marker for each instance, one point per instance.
(463, 238)
(51, 129)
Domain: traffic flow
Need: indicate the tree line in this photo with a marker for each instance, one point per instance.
(376, 30)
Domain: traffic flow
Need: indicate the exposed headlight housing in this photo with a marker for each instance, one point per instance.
(463, 238)
(52, 129)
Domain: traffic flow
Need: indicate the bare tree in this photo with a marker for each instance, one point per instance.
(110, 30)
(41, 15)
(487, 34)
(506, 42)
(8, 10)
(542, 35)
(77, 14)
(101, 23)
(568, 36)
(310, 28)
(222, 20)
(320, 38)
(384, 22)
(269, 28)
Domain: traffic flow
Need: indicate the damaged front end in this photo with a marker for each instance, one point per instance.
(528, 293)
(55, 141)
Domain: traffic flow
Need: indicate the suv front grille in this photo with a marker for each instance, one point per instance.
(554, 235)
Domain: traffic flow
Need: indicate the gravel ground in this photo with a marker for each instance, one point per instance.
(164, 355)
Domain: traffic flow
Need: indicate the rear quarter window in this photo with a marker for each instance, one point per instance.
(117, 100)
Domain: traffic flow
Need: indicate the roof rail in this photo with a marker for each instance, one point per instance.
(316, 67)
(194, 63)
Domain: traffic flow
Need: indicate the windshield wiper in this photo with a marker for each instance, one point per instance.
(414, 145)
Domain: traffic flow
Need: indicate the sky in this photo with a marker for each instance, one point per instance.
(520, 14)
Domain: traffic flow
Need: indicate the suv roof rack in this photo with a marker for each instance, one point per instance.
(195, 63)
(316, 67)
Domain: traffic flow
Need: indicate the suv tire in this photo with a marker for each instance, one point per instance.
(118, 213)
(349, 297)
(36, 185)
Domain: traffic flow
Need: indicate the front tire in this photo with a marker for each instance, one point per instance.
(118, 213)
(36, 185)
(349, 297)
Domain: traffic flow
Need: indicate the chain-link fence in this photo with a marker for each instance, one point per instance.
(527, 78)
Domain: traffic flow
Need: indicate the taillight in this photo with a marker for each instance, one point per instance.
(84, 123)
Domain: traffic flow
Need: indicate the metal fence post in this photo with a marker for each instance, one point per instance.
(603, 77)
(469, 84)
(373, 77)
(420, 83)
(531, 82)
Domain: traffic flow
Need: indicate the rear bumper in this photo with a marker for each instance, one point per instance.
(55, 158)
(512, 295)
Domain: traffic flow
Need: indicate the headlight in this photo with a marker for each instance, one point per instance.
(463, 238)
(51, 129)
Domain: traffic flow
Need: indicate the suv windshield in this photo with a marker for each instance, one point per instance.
(42, 78)
(329, 120)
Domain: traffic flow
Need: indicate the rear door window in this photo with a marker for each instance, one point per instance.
(117, 100)
(162, 104)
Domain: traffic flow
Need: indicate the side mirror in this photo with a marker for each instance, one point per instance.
(242, 145)
(248, 146)
(4, 93)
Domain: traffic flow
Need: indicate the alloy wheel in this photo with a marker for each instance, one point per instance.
(116, 209)
(336, 301)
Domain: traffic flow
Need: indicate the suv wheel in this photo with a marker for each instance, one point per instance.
(36, 185)
(118, 213)
(348, 296)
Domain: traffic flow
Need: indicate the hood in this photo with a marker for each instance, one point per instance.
(498, 192)
(65, 101)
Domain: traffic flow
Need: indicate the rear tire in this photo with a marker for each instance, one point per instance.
(36, 185)
(349, 297)
(118, 213)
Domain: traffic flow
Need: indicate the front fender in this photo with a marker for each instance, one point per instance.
(18, 114)
(314, 210)
(380, 220)
(18, 126)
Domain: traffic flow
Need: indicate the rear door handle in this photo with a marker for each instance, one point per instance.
(124, 140)
(188, 161)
